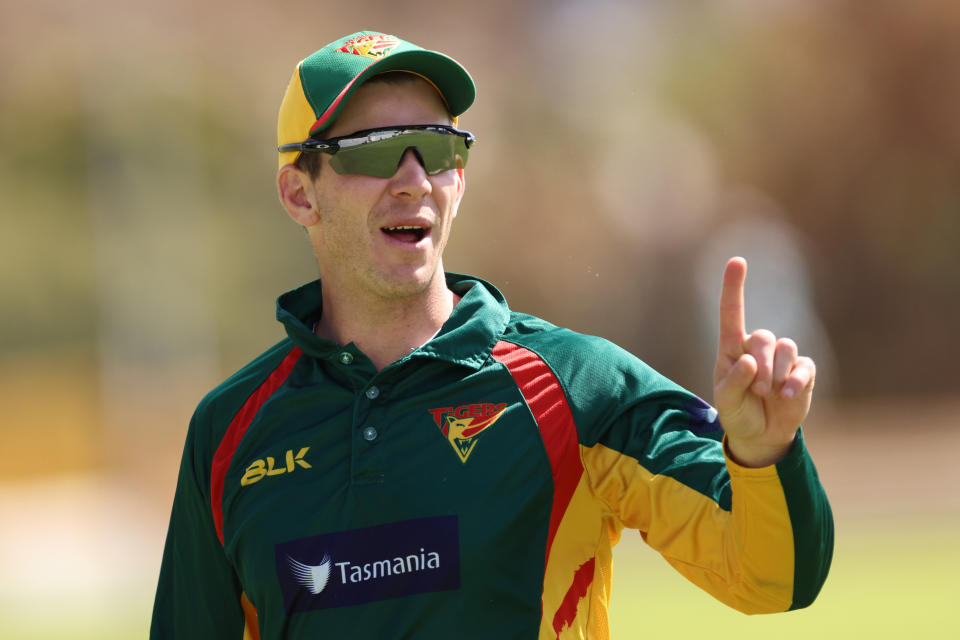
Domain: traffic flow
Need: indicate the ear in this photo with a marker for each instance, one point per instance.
(461, 187)
(293, 188)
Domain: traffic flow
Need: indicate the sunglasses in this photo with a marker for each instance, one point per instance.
(378, 152)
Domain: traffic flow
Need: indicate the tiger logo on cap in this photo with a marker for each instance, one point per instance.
(374, 45)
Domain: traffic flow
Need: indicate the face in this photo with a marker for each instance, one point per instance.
(385, 236)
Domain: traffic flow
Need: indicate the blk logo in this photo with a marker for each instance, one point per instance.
(260, 469)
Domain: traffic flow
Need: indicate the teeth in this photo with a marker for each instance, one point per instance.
(404, 228)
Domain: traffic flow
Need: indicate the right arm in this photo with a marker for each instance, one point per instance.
(198, 594)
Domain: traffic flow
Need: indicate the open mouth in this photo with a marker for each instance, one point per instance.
(406, 233)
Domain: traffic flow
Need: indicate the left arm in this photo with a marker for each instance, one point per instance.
(762, 544)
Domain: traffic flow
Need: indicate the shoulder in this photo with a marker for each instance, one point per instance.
(601, 381)
(218, 407)
(579, 359)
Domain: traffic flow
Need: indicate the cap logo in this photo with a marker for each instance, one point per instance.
(374, 45)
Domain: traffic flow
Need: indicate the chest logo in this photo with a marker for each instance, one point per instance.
(261, 468)
(463, 425)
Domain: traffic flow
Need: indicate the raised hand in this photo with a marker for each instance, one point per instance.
(761, 387)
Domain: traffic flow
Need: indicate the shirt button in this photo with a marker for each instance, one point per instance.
(346, 357)
(372, 393)
(369, 434)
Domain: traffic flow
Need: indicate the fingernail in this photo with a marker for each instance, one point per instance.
(787, 392)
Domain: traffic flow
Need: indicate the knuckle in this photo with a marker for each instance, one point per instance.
(761, 341)
(764, 336)
(787, 345)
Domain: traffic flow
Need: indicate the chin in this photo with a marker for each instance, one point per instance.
(406, 289)
(405, 285)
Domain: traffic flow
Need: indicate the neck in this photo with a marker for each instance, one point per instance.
(385, 329)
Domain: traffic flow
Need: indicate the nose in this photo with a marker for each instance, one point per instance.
(411, 180)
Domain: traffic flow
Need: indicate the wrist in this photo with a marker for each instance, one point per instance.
(752, 453)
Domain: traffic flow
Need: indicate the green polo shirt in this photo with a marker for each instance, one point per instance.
(472, 489)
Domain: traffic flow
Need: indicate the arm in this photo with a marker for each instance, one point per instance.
(780, 525)
(749, 521)
(198, 594)
(758, 539)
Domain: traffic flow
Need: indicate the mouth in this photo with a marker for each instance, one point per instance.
(410, 234)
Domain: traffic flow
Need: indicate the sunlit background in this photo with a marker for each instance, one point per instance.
(626, 149)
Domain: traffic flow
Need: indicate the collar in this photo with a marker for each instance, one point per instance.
(466, 338)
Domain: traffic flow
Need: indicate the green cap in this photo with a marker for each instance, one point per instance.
(323, 82)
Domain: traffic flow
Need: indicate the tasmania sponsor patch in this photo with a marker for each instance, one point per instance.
(462, 425)
(364, 565)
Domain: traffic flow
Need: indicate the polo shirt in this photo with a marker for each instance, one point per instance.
(474, 488)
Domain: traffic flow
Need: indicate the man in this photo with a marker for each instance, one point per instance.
(415, 460)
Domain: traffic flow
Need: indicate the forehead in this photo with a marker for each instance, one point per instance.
(385, 104)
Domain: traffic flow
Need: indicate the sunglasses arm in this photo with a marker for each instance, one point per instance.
(321, 146)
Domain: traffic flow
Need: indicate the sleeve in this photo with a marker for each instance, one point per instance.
(198, 594)
(759, 540)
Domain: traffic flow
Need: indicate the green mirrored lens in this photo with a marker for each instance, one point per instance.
(439, 151)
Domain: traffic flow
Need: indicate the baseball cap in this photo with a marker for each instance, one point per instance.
(324, 81)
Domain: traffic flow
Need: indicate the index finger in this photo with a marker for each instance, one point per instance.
(732, 324)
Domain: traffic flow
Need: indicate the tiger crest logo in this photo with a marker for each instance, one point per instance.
(463, 425)
(373, 45)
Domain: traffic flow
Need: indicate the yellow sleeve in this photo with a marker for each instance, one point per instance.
(742, 555)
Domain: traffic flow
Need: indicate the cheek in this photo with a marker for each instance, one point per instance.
(336, 223)
(447, 192)
(346, 201)
(347, 190)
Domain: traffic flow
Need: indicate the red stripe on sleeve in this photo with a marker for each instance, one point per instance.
(567, 612)
(547, 402)
(235, 432)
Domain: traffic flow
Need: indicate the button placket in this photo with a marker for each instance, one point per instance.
(369, 432)
(359, 373)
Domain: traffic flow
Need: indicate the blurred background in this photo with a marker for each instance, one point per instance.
(626, 149)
